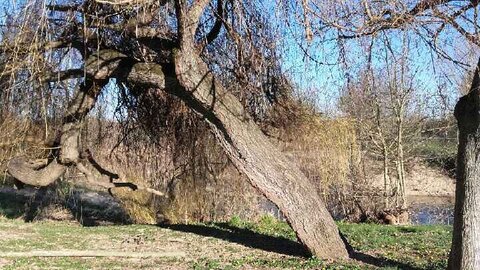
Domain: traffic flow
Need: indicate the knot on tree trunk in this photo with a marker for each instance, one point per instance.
(467, 113)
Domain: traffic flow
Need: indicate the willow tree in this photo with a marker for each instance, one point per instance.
(160, 47)
(445, 27)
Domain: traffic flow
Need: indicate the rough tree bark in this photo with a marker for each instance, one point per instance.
(267, 169)
(465, 251)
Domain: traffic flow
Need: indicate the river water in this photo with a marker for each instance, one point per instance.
(423, 210)
(429, 210)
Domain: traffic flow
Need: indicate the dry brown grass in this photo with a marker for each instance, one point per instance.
(325, 149)
(201, 183)
(138, 204)
(20, 136)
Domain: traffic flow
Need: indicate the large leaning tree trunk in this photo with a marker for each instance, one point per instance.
(267, 169)
(183, 73)
(465, 251)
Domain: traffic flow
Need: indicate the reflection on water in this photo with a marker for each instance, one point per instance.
(431, 210)
(428, 214)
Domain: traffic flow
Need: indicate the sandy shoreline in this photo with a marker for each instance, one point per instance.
(423, 181)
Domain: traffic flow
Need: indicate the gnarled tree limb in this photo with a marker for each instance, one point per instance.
(99, 67)
(99, 180)
(22, 169)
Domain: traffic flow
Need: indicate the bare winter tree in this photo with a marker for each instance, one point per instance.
(437, 23)
(159, 47)
(363, 101)
(168, 47)
(381, 103)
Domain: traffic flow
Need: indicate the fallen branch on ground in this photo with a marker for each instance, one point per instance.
(92, 253)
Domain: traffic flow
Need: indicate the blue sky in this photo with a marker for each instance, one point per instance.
(433, 75)
(321, 76)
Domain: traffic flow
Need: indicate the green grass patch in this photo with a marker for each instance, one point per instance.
(424, 247)
(387, 247)
(267, 225)
(391, 247)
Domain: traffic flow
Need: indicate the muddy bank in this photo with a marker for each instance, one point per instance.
(430, 195)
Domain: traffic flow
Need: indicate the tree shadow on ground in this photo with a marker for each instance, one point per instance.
(12, 204)
(381, 262)
(244, 237)
(251, 239)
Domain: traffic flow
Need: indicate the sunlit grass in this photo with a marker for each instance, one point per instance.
(393, 247)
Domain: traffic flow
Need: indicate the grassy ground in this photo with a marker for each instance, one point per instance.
(267, 244)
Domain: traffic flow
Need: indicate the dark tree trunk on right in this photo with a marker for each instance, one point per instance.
(465, 252)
